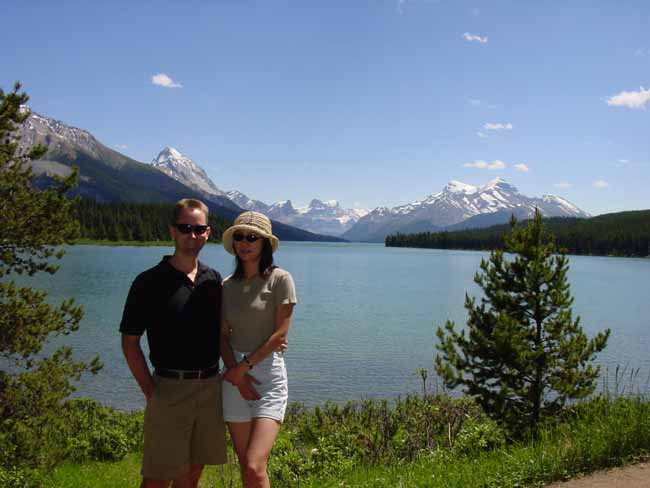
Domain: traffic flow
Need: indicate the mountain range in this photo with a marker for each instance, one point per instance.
(109, 176)
(320, 217)
(458, 206)
(106, 175)
(324, 217)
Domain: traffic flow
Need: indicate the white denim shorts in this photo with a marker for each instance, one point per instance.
(273, 388)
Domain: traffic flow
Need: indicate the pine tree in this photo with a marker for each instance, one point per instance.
(522, 355)
(33, 226)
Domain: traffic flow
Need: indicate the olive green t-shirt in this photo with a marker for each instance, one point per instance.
(249, 307)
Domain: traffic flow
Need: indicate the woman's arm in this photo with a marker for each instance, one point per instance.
(244, 383)
(275, 341)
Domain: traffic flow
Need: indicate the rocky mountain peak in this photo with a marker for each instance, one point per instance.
(282, 205)
(180, 167)
(499, 183)
(316, 203)
(455, 186)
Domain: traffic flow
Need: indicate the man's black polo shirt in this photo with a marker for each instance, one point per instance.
(181, 318)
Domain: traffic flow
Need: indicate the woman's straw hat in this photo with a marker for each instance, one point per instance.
(250, 222)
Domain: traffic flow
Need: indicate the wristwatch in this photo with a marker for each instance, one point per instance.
(247, 361)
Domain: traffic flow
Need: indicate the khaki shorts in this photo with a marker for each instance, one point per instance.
(183, 425)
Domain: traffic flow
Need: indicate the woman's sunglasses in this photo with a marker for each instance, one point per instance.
(199, 230)
(249, 237)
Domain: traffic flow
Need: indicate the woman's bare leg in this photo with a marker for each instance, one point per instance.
(240, 433)
(261, 439)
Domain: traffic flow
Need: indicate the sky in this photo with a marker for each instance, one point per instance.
(369, 102)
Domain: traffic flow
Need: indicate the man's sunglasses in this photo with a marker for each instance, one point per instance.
(199, 230)
(249, 237)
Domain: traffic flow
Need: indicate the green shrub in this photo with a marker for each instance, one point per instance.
(97, 432)
(81, 430)
(19, 477)
(479, 434)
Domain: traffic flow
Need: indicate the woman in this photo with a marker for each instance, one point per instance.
(258, 299)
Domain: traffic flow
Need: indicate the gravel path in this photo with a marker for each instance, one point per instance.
(634, 476)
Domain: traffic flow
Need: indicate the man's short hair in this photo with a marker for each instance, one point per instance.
(190, 203)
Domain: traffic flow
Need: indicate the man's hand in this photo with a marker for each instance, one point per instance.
(148, 391)
(138, 364)
(283, 346)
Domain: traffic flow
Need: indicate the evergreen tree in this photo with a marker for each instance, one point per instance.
(33, 224)
(522, 355)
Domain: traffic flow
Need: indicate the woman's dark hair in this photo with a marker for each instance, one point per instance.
(266, 265)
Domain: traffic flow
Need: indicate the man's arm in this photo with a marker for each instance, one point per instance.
(137, 364)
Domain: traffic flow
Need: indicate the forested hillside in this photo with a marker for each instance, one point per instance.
(133, 221)
(617, 234)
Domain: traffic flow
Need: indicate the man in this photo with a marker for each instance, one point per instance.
(177, 303)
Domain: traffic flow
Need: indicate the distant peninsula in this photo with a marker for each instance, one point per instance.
(615, 234)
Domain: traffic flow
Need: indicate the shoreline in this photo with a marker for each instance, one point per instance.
(494, 249)
(93, 242)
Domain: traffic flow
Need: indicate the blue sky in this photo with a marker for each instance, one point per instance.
(368, 102)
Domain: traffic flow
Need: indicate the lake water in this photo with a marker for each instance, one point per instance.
(366, 317)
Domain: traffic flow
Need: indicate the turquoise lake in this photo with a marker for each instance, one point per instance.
(366, 317)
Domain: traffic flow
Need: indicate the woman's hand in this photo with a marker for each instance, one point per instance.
(246, 388)
(235, 374)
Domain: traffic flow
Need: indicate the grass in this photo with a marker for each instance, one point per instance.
(126, 474)
(602, 434)
(596, 434)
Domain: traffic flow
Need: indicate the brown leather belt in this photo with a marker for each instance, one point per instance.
(187, 375)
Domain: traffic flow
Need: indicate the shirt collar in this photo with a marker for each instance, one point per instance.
(202, 268)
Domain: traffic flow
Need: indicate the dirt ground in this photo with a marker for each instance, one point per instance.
(634, 476)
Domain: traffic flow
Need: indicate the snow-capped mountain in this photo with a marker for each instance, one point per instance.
(171, 162)
(323, 217)
(456, 203)
(247, 203)
(105, 175)
(56, 135)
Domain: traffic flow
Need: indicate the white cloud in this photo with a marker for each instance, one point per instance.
(623, 161)
(122, 146)
(481, 134)
(522, 168)
(630, 99)
(161, 79)
(498, 126)
(562, 185)
(496, 164)
(475, 102)
(475, 38)
(600, 184)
